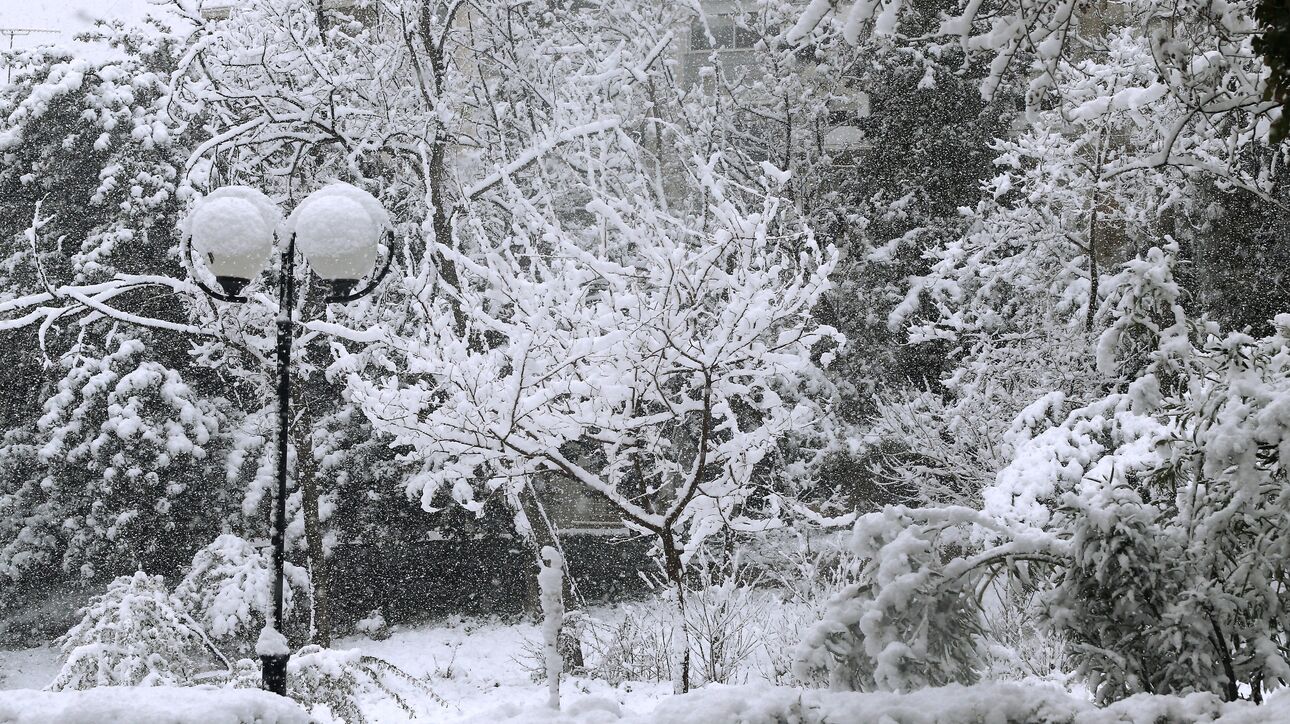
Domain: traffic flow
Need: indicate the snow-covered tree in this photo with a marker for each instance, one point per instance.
(1089, 185)
(1205, 53)
(909, 621)
(1091, 378)
(118, 468)
(87, 178)
(89, 194)
(651, 358)
(89, 154)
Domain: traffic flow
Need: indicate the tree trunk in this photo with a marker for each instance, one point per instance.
(436, 181)
(320, 16)
(317, 564)
(681, 636)
(541, 536)
(307, 469)
(1092, 266)
(538, 538)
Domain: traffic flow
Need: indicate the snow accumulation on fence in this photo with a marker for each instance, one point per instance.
(149, 705)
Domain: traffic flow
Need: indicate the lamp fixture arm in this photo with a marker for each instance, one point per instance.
(211, 292)
(376, 280)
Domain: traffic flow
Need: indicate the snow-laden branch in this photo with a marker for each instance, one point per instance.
(619, 367)
(223, 137)
(340, 331)
(537, 152)
(65, 301)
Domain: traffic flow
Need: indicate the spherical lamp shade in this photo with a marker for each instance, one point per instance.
(232, 230)
(338, 228)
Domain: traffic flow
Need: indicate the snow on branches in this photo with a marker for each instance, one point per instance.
(912, 619)
(122, 444)
(1203, 52)
(643, 359)
(134, 634)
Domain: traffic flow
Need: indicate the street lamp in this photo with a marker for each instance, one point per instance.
(338, 229)
(233, 228)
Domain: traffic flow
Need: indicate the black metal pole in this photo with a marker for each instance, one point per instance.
(275, 666)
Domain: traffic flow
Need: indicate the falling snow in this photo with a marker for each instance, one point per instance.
(871, 362)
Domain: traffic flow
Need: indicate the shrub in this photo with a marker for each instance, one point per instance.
(339, 681)
(229, 591)
(134, 634)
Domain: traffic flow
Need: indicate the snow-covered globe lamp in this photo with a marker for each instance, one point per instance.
(339, 228)
(232, 229)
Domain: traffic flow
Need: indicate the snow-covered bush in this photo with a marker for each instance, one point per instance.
(1172, 494)
(803, 566)
(801, 570)
(737, 633)
(342, 683)
(1019, 646)
(907, 623)
(229, 591)
(725, 632)
(1150, 523)
(1119, 600)
(134, 634)
(374, 626)
(633, 646)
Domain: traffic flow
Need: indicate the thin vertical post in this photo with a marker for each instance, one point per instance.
(275, 666)
(12, 33)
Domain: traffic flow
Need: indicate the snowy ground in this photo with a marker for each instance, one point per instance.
(476, 666)
(479, 669)
(28, 668)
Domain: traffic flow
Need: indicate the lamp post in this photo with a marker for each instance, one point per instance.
(338, 229)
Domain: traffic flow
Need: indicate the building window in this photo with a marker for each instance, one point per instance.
(726, 34)
(722, 45)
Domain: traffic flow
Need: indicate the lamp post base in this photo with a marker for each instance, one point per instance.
(274, 672)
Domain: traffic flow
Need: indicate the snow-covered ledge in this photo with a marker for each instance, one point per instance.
(149, 705)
